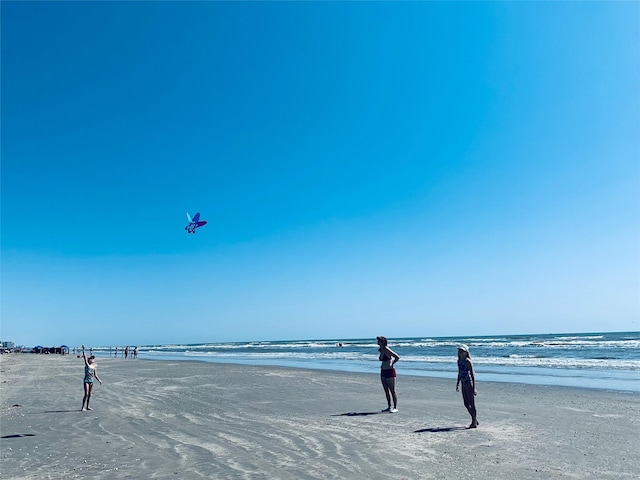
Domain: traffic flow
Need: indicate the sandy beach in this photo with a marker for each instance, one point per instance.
(179, 419)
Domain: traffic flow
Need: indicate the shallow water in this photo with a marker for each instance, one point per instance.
(594, 360)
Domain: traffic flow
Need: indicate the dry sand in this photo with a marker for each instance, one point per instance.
(184, 420)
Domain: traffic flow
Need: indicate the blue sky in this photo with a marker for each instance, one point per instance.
(398, 169)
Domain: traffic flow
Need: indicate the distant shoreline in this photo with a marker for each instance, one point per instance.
(609, 361)
(481, 376)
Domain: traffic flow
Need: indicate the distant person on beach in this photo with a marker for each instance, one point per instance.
(388, 374)
(90, 371)
(126, 352)
(116, 355)
(135, 352)
(468, 380)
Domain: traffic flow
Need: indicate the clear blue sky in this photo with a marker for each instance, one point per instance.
(398, 169)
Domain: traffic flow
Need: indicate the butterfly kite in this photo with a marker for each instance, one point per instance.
(194, 223)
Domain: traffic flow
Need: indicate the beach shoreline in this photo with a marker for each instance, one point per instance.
(192, 419)
(608, 384)
(606, 360)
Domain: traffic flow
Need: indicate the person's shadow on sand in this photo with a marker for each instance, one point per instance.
(439, 429)
(358, 414)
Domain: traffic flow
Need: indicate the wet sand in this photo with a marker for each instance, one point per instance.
(184, 420)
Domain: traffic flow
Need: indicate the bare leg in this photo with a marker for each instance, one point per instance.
(89, 395)
(469, 403)
(85, 399)
(386, 391)
(392, 387)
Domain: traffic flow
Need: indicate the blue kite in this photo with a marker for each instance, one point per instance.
(194, 223)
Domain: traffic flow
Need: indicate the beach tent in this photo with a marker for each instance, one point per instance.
(65, 349)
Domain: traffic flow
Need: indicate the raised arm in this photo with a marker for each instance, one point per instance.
(85, 357)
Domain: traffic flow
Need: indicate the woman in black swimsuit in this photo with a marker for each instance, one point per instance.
(388, 374)
(467, 377)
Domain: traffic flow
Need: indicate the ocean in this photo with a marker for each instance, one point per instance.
(588, 360)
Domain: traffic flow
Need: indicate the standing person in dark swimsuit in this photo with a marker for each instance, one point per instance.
(468, 380)
(90, 371)
(388, 374)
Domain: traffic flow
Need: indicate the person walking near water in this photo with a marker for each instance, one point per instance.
(468, 380)
(90, 371)
(388, 374)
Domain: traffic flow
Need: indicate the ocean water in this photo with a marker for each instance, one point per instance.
(587, 360)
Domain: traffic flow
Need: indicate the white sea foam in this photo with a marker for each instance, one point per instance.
(513, 360)
(520, 357)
